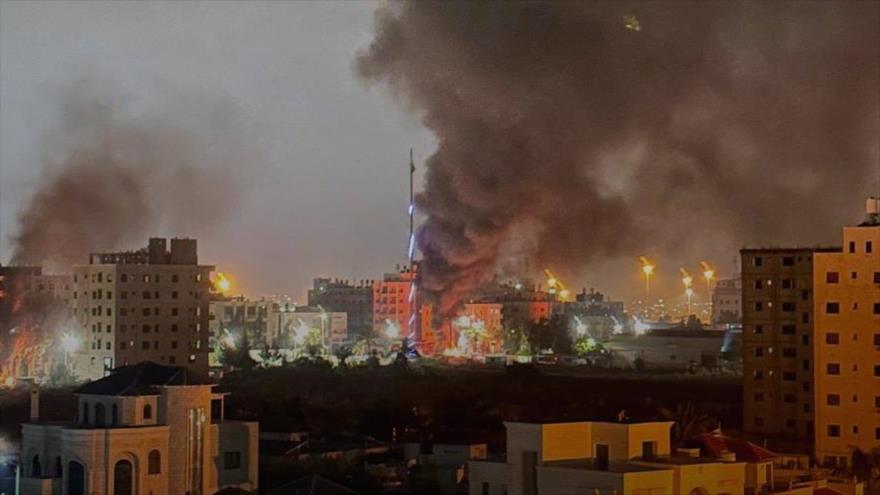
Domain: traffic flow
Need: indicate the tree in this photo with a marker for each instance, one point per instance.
(690, 422)
(866, 467)
(238, 355)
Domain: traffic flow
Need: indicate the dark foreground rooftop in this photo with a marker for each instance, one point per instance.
(142, 379)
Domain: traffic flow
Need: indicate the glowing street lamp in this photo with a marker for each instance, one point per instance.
(648, 270)
(688, 282)
(708, 274)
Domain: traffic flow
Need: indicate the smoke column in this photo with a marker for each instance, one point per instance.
(569, 134)
(112, 176)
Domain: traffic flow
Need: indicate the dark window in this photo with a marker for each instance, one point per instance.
(869, 247)
(36, 469)
(85, 415)
(877, 277)
(154, 462)
(877, 339)
(787, 283)
(877, 308)
(114, 415)
(833, 430)
(832, 278)
(100, 415)
(832, 338)
(805, 339)
(759, 306)
(852, 246)
(148, 411)
(788, 352)
(759, 351)
(789, 376)
(123, 479)
(231, 460)
(788, 261)
(789, 398)
(877, 370)
(832, 308)
(145, 345)
(757, 261)
(759, 284)
(833, 369)
(788, 329)
(759, 329)
(484, 488)
(788, 307)
(76, 478)
(833, 400)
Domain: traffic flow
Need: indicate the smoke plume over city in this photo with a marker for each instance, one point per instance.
(571, 132)
(113, 175)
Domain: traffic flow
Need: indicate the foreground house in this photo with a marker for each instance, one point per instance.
(598, 458)
(146, 429)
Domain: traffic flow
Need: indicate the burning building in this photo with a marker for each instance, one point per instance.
(33, 315)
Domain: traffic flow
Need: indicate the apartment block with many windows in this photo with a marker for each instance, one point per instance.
(847, 344)
(777, 307)
(146, 305)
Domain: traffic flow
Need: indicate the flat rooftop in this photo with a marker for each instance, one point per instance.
(591, 465)
(680, 460)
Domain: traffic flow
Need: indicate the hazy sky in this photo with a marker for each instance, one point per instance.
(328, 193)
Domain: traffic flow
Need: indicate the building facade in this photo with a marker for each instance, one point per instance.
(146, 305)
(847, 343)
(391, 302)
(604, 459)
(727, 301)
(145, 429)
(342, 296)
(777, 342)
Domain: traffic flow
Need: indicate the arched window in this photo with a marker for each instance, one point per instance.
(148, 411)
(59, 471)
(114, 415)
(123, 478)
(85, 412)
(154, 462)
(36, 470)
(100, 415)
(76, 478)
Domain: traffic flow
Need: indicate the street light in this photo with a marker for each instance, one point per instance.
(648, 270)
(688, 282)
(708, 274)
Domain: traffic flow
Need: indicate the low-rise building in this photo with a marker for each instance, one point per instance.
(145, 429)
(621, 458)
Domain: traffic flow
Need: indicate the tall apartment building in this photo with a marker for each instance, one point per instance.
(847, 343)
(145, 305)
(777, 336)
(354, 299)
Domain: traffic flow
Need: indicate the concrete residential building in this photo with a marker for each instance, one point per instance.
(604, 459)
(847, 343)
(391, 302)
(145, 429)
(353, 299)
(146, 305)
(777, 341)
(727, 301)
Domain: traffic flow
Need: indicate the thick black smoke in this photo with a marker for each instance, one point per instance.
(114, 176)
(570, 131)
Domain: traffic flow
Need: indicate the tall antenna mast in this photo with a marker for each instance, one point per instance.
(410, 325)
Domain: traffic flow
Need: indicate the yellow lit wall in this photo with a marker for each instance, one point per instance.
(847, 346)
